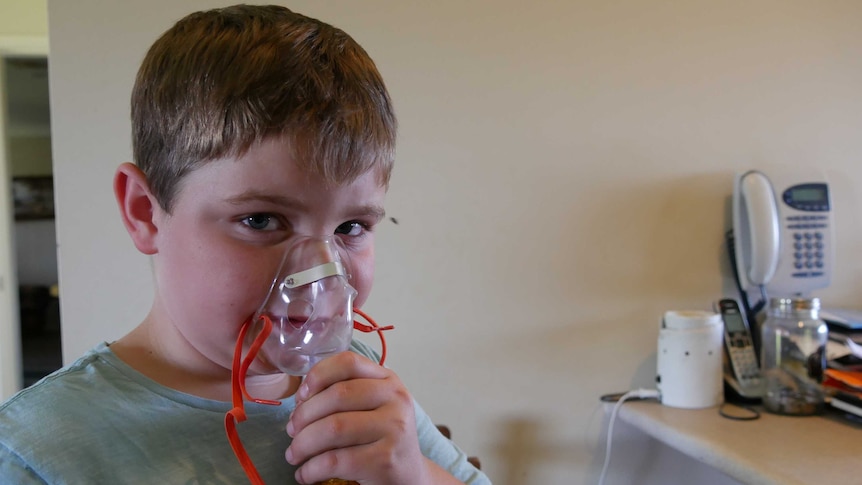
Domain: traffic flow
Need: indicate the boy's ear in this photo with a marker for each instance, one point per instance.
(137, 206)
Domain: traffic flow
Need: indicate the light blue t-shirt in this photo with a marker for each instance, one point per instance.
(98, 421)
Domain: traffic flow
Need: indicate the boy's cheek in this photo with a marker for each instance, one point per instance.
(362, 272)
(362, 284)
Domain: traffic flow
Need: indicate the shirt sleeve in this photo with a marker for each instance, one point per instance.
(14, 470)
(444, 452)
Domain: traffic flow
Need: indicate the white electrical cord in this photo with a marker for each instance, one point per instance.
(638, 393)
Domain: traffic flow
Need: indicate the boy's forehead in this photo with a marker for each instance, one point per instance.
(269, 171)
(273, 169)
(302, 152)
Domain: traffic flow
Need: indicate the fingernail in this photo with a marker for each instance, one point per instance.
(290, 428)
(288, 455)
(302, 394)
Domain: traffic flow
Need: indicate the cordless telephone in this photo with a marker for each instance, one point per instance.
(742, 371)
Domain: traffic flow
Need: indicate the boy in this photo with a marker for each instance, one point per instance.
(252, 125)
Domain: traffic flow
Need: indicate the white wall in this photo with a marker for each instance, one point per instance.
(562, 176)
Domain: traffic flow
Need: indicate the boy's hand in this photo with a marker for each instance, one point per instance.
(354, 419)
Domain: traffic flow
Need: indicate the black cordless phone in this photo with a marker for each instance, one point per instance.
(742, 371)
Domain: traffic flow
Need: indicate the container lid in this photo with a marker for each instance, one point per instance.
(688, 319)
(794, 304)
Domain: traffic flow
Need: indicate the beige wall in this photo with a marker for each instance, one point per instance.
(24, 18)
(562, 179)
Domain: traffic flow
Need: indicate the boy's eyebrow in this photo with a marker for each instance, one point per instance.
(366, 210)
(252, 196)
(374, 211)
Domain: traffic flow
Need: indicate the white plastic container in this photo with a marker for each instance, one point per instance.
(690, 359)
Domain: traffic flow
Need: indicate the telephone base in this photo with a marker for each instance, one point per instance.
(733, 393)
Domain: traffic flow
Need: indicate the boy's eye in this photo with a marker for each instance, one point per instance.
(259, 222)
(351, 228)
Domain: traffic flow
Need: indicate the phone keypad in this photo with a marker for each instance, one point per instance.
(808, 244)
(744, 362)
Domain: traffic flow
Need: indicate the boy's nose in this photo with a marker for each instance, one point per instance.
(311, 252)
(318, 250)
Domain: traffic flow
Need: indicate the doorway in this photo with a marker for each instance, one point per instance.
(29, 176)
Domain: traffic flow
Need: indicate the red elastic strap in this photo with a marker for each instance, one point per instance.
(237, 414)
(249, 359)
(373, 327)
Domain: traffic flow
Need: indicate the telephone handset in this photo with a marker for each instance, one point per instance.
(759, 232)
(782, 232)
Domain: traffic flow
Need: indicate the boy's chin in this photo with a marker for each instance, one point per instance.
(261, 368)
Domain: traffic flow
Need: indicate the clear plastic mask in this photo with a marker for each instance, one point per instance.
(310, 305)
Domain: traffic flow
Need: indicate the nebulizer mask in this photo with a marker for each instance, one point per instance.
(306, 316)
(310, 305)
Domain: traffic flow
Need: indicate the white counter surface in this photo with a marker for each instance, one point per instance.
(772, 450)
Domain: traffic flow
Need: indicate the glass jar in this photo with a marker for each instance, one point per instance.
(793, 356)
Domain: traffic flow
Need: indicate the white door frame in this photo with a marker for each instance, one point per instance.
(11, 374)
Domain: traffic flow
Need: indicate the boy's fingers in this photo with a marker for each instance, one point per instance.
(342, 463)
(358, 446)
(340, 430)
(340, 367)
(344, 396)
(345, 388)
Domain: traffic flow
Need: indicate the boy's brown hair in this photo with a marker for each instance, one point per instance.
(220, 80)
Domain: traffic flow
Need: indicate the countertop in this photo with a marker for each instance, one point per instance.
(771, 450)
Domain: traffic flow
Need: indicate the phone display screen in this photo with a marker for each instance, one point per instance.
(808, 197)
(809, 194)
(733, 322)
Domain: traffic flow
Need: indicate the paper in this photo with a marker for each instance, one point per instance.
(840, 316)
